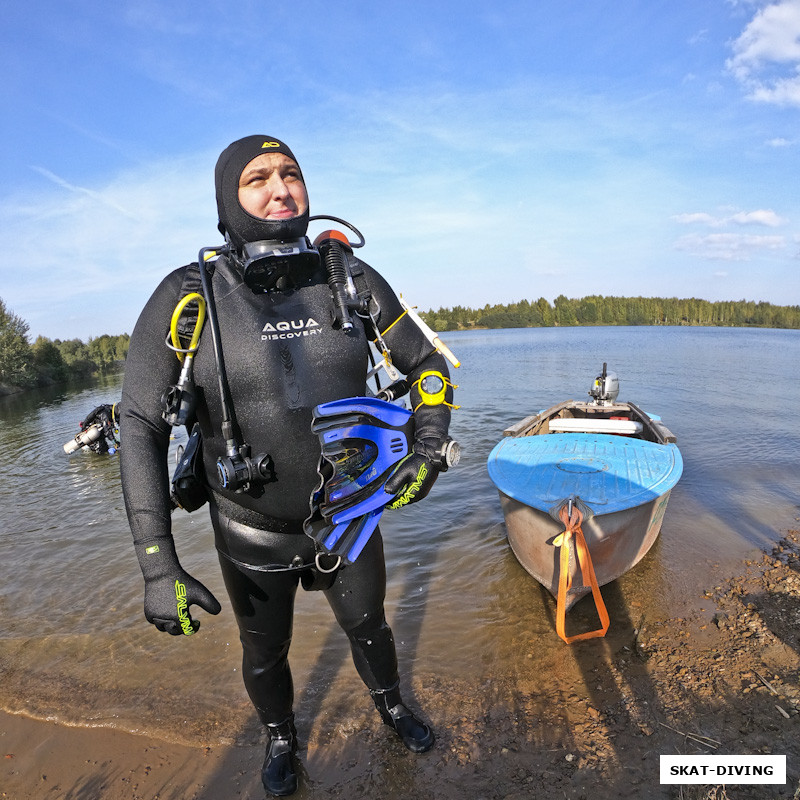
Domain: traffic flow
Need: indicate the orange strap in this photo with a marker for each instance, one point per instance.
(572, 527)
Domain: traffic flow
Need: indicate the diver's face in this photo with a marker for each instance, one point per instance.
(271, 187)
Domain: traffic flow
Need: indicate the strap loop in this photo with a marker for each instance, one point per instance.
(572, 518)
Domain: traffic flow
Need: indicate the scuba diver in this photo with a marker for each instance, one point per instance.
(284, 447)
(99, 431)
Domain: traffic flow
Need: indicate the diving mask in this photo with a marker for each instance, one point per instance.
(266, 263)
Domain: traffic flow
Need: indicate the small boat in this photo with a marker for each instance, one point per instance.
(584, 487)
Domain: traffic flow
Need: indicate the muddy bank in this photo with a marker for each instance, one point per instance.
(592, 724)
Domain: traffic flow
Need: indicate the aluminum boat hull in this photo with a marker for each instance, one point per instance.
(621, 481)
(616, 542)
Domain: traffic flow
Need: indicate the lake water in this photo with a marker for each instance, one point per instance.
(75, 647)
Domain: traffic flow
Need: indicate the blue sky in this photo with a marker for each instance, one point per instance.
(488, 152)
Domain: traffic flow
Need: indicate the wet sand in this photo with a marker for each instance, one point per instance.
(724, 679)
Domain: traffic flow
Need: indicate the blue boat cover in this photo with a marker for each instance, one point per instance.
(609, 473)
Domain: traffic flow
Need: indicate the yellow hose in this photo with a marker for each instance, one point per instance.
(180, 351)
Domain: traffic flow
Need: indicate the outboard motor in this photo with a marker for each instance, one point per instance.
(605, 388)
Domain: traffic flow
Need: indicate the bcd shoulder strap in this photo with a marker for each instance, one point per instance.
(357, 274)
(191, 283)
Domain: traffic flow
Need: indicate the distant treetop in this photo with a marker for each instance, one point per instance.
(600, 310)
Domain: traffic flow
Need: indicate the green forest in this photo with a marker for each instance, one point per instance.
(46, 361)
(599, 310)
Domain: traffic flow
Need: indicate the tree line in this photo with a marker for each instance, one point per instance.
(600, 310)
(47, 361)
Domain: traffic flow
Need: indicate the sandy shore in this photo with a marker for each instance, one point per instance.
(46, 760)
(724, 680)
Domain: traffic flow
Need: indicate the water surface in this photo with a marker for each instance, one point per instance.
(74, 645)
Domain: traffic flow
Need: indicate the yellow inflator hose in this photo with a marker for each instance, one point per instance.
(181, 351)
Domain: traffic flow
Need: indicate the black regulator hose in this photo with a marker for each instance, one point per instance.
(237, 471)
(222, 377)
(331, 246)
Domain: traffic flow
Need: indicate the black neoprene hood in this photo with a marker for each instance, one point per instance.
(239, 225)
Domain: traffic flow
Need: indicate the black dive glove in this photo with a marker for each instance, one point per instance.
(412, 480)
(169, 590)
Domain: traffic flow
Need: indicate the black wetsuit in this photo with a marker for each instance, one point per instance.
(283, 355)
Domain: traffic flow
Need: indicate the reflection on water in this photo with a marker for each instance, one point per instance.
(74, 644)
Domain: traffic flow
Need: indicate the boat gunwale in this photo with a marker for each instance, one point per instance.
(653, 429)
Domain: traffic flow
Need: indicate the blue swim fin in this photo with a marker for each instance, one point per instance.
(347, 539)
(362, 439)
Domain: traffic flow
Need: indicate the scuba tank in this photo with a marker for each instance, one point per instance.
(84, 439)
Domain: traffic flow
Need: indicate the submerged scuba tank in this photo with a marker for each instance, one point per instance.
(84, 439)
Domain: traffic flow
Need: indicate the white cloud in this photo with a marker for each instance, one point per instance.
(762, 216)
(700, 36)
(783, 92)
(104, 248)
(699, 217)
(102, 199)
(161, 18)
(766, 58)
(728, 246)
(779, 141)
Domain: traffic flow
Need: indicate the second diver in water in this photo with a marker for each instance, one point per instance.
(99, 431)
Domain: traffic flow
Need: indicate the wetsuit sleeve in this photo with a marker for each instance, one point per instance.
(413, 355)
(150, 368)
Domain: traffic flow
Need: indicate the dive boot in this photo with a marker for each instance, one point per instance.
(415, 734)
(277, 774)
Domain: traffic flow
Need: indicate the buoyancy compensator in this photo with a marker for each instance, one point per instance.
(237, 471)
(264, 265)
